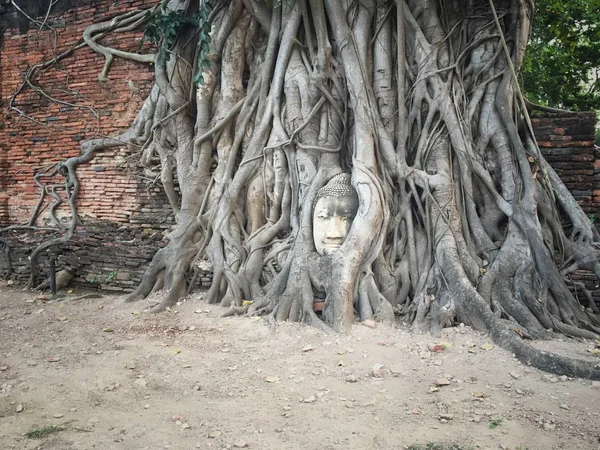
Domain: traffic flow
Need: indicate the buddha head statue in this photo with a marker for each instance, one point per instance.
(334, 209)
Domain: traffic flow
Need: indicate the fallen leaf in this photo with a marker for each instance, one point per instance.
(478, 394)
(341, 363)
(136, 313)
(271, 379)
(434, 389)
(176, 351)
(62, 319)
(108, 330)
(70, 291)
(247, 302)
(487, 347)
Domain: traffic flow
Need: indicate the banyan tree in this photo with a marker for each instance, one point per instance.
(457, 217)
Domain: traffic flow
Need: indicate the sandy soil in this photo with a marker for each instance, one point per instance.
(114, 377)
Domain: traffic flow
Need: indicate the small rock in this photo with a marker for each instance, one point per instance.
(549, 426)
(370, 323)
(442, 382)
(192, 328)
(141, 382)
(214, 434)
(351, 379)
(436, 348)
(10, 283)
(446, 416)
(378, 371)
(147, 406)
(271, 379)
(563, 378)
(596, 384)
(476, 419)
(310, 399)
(515, 375)
(549, 378)
(19, 408)
(565, 406)
(185, 426)
(3, 368)
(307, 348)
(58, 416)
(240, 444)
(32, 363)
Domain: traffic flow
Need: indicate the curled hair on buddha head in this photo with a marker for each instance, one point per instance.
(339, 186)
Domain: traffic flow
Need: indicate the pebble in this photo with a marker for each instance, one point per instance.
(58, 416)
(141, 382)
(19, 408)
(240, 444)
(565, 406)
(351, 379)
(3, 368)
(214, 434)
(186, 426)
(378, 371)
(370, 323)
(32, 363)
(515, 375)
(310, 399)
(147, 406)
(446, 416)
(442, 382)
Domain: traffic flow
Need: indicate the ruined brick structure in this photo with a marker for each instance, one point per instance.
(124, 211)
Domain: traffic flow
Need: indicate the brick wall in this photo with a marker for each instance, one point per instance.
(567, 143)
(113, 187)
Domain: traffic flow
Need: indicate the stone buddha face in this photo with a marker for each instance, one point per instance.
(334, 210)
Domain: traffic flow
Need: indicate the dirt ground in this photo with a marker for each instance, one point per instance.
(111, 376)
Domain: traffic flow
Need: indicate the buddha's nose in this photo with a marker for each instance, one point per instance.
(335, 229)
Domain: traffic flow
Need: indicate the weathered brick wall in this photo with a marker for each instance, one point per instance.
(113, 188)
(567, 143)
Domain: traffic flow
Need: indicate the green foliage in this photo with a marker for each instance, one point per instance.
(164, 26)
(563, 50)
(43, 432)
(495, 423)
